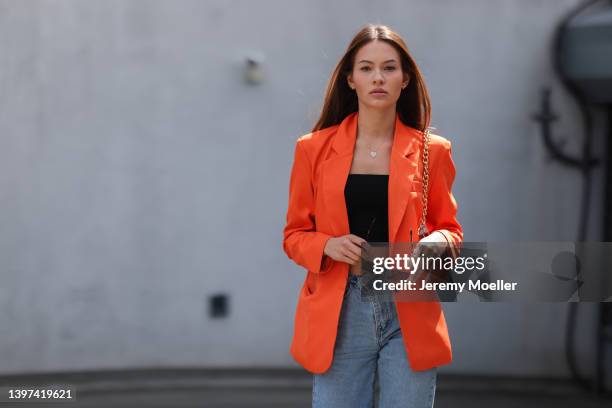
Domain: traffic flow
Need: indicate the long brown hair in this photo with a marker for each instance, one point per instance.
(340, 100)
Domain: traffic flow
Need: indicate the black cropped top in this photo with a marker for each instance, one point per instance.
(366, 197)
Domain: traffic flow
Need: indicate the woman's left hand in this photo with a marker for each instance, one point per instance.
(432, 245)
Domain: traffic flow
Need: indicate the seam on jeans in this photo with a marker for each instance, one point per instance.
(377, 331)
(432, 388)
(386, 316)
(314, 397)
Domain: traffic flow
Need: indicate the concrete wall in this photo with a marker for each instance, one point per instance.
(139, 173)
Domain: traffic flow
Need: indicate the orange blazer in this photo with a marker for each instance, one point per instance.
(317, 211)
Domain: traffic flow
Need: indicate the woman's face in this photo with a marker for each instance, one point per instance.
(377, 66)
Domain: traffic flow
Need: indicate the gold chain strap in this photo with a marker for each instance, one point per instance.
(423, 226)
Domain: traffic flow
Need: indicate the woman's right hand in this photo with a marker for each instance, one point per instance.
(346, 248)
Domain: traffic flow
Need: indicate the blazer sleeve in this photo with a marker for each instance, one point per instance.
(301, 242)
(442, 206)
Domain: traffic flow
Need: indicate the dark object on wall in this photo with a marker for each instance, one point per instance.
(585, 55)
(582, 57)
(218, 305)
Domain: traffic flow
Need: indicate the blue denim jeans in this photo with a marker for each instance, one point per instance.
(369, 347)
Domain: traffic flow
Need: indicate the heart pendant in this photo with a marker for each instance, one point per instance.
(373, 154)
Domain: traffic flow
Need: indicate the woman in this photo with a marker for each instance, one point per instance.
(356, 178)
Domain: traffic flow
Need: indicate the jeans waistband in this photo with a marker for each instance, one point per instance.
(355, 280)
(364, 283)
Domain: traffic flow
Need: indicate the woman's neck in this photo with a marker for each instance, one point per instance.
(373, 124)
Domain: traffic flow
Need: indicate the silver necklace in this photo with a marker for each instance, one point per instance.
(373, 152)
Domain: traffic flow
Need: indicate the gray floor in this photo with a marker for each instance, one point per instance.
(286, 388)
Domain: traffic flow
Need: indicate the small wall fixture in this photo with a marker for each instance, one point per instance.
(253, 71)
(218, 305)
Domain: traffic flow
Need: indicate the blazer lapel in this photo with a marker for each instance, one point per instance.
(335, 172)
(402, 168)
